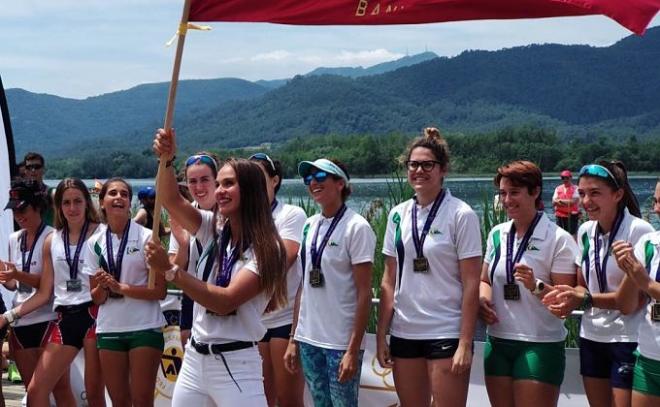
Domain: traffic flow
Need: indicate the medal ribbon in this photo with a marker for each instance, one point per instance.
(73, 264)
(226, 263)
(273, 205)
(114, 267)
(511, 260)
(418, 240)
(317, 252)
(601, 267)
(27, 263)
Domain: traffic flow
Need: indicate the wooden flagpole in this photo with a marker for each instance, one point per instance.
(169, 118)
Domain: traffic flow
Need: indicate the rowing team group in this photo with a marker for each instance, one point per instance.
(275, 299)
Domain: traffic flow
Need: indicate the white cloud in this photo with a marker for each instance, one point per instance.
(277, 55)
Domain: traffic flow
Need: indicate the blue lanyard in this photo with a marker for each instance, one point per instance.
(418, 240)
(601, 267)
(273, 205)
(511, 260)
(73, 264)
(27, 263)
(226, 263)
(114, 266)
(317, 252)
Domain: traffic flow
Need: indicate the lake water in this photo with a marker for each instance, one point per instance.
(470, 190)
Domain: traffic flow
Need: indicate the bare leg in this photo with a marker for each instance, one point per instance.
(447, 388)
(533, 393)
(144, 362)
(94, 386)
(51, 367)
(114, 366)
(412, 382)
(500, 390)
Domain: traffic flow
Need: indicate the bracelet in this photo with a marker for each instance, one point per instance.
(11, 316)
(587, 301)
(169, 162)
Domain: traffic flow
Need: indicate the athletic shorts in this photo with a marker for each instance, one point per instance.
(125, 341)
(540, 361)
(614, 361)
(422, 348)
(31, 336)
(75, 324)
(646, 376)
(186, 318)
(281, 332)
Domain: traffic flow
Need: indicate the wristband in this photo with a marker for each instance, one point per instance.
(11, 316)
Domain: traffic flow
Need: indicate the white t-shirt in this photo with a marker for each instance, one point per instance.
(327, 313)
(246, 324)
(45, 312)
(649, 331)
(289, 221)
(61, 273)
(608, 325)
(125, 314)
(550, 250)
(428, 305)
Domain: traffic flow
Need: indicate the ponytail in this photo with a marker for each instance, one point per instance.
(629, 200)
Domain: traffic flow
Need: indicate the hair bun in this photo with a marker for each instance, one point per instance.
(432, 133)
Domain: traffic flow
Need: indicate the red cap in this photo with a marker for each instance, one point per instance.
(566, 173)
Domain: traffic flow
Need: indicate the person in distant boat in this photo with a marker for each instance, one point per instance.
(641, 263)
(565, 200)
(524, 356)
(334, 300)
(283, 389)
(608, 337)
(430, 287)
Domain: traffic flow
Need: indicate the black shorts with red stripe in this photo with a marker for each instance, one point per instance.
(30, 336)
(75, 323)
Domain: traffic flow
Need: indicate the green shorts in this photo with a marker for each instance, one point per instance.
(540, 361)
(125, 341)
(646, 375)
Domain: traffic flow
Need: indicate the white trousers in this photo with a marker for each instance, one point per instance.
(205, 381)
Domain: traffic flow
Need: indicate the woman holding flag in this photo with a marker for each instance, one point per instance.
(241, 269)
(76, 221)
(430, 286)
(524, 355)
(337, 254)
(129, 324)
(608, 337)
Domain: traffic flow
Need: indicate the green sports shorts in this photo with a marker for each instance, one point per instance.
(646, 375)
(540, 361)
(125, 341)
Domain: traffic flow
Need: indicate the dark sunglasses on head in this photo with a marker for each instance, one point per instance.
(319, 176)
(426, 165)
(34, 167)
(263, 157)
(202, 158)
(599, 171)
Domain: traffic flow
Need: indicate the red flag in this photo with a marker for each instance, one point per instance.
(633, 14)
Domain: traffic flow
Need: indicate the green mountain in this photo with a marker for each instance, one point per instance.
(356, 72)
(578, 91)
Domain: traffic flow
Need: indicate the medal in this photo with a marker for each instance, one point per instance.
(655, 312)
(114, 266)
(511, 289)
(316, 278)
(601, 267)
(73, 286)
(512, 292)
(421, 263)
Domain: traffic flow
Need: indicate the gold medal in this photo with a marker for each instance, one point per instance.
(511, 292)
(316, 277)
(421, 265)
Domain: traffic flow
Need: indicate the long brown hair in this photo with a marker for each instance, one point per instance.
(258, 228)
(620, 181)
(91, 215)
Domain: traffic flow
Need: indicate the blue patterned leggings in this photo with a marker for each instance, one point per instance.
(321, 367)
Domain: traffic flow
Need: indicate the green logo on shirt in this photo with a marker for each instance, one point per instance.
(531, 247)
(333, 243)
(435, 232)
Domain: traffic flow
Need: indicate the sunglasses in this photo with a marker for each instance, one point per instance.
(263, 157)
(34, 167)
(599, 171)
(427, 166)
(565, 178)
(319, 176)
(202, 158)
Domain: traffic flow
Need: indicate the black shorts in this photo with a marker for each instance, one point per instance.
(614, 361)
(75, 324)
(281, 332)
(30, 336)
(422, 348)
(185, 319)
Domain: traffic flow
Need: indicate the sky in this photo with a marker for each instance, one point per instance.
(82, 48)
